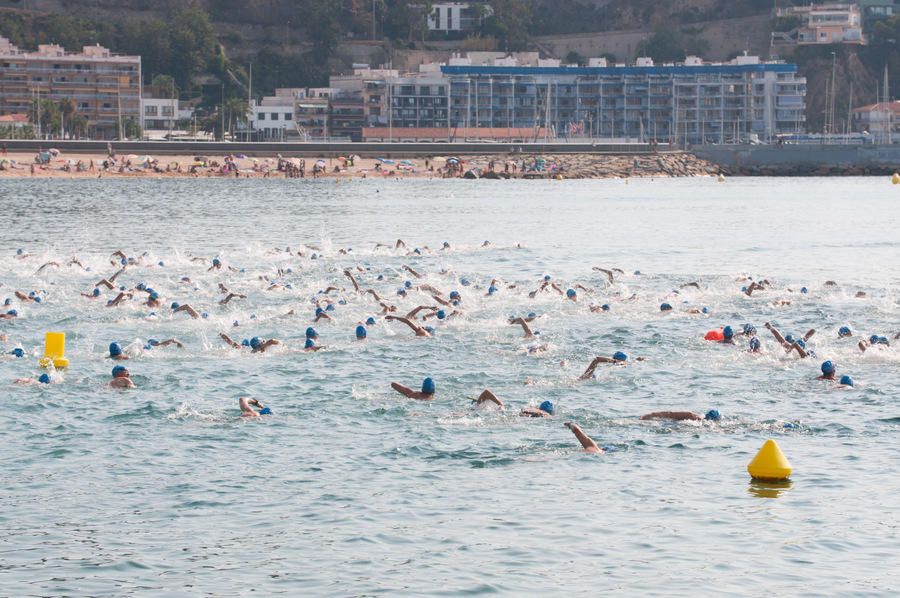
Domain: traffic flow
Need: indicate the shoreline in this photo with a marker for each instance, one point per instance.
(18, 164)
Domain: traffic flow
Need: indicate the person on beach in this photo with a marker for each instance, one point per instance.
(426, 394)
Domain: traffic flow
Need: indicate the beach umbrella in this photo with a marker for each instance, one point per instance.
(320, 163)
(407, 163)
(241, 157)
(452, 160)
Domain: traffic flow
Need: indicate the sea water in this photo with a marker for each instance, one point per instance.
(351, 489)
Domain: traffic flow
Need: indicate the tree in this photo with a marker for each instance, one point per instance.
(667, 44)
(67, 108)
(574, 57)
(510, 23)
(236, 110)
(165, 86)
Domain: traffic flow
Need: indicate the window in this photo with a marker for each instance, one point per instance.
(168, 111)
(273, 116)
(149, 110)
(288, 116)
(261, 116)
(107, 105)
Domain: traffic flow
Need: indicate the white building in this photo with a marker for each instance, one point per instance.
(161, 116)
(273, 116)
(457, 16)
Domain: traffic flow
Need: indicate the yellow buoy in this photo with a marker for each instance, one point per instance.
(896, 179)
(721, 178)
(55, 350)
(769, 464)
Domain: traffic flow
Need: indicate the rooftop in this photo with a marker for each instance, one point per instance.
(88, 53)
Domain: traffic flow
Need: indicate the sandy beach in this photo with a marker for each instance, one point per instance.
(78, 165)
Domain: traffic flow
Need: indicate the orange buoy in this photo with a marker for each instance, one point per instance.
(715, 335)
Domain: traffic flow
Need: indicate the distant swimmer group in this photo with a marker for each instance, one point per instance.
(385, 303)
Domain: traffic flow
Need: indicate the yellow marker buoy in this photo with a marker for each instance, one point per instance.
(721, 178)
(769, 464)
(55, 350)
(895, 179)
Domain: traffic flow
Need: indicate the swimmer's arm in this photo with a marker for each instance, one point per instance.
(673, 415)
(404, 390)
(411, 271)
(47, 265)
(400, 243)
(800, 351)
(691, 284)
(116, 275)
(187, 308)
(119, 254)
(587, 443)
(584, 288)
(429, 288)
(412, 315)
(349, 275)
(443, 302)
(415, 327)
(22, 296)
(608, 273)
(809, 334)
(268, 344)
(374, 294)
(776, 334)
(489, 396)
(525, 327)
(174, 341)
(117, 300)
(229, 340)
(593, 366)
(331, 288)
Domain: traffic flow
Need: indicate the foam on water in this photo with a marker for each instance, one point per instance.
(350, 488)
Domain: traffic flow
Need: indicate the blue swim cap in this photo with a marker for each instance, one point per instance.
(152, 342)
(342, 302)
(429, 330)
(546, 407)
(446, 244)
(546, 277)
(492, 289)
(360, 332)
(44, 379)
(161, 263)
(846, 380)
(311, 333)
(150, 290)
(37, 299)
(728, 332)
(401, 292)
(115, 349)
(637, 272)
(605, 307)
(713, 415)
(801, 343)
(255, 342)
(754, 343)
(571, 293)
(828, 367)
(370, 321)
(140, 286)
(428, 386)
(407, 284)
(265, 411)
(310, 343)
(17, 352)
(216, 262)
(454, 294)
(329, 307)
(749, 329)
(789, 338)
(175, 305)
(743, 289)
(380, 277)
(441, 314)
(464, 281)
(204, 315)
(531, 314)
(31, 293)
(117, 370)
(455, 303)
(417, 251)
(290, 270)
(96, 292)
(245, 343)
(844, 331)
(12, 312)
(620, 356)
(123, 261)
(18, 252)
(235, 323)
(319, 311)
(705, 310)
(7, 301)
(252, 316)
(665, 307)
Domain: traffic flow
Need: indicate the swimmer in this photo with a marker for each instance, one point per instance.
(47, 265)
(426, 394)
(755, 345)
(488, 397)
(727, 335)
(122, 296)
(26, 298)
(374, 294)
(361, 332)
(43, 379)
(844, 332)
(711, 415)
(311, 347)
(545, 409)
(419, 330)
(442, 314)
(185, 308)
(525, 327)
(92, 295)
(587, 443)
(571, 295)
(231, 296)
(873, 341)
(234, 344)
(9, 315)
(789, 343)
(618, 358)
(257, 345)
(695, 284)
(121, 378)
(387, 308)
(321, 315)
(349, 275)
(115, 352)
(246, 405)
(829, 371)
(845, 382)
(411, 271)
(151, 343)
(216, 265)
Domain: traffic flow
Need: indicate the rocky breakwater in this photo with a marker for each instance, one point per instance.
(670, 164)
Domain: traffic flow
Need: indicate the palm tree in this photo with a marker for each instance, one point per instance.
(236, 110)
(67, 110)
